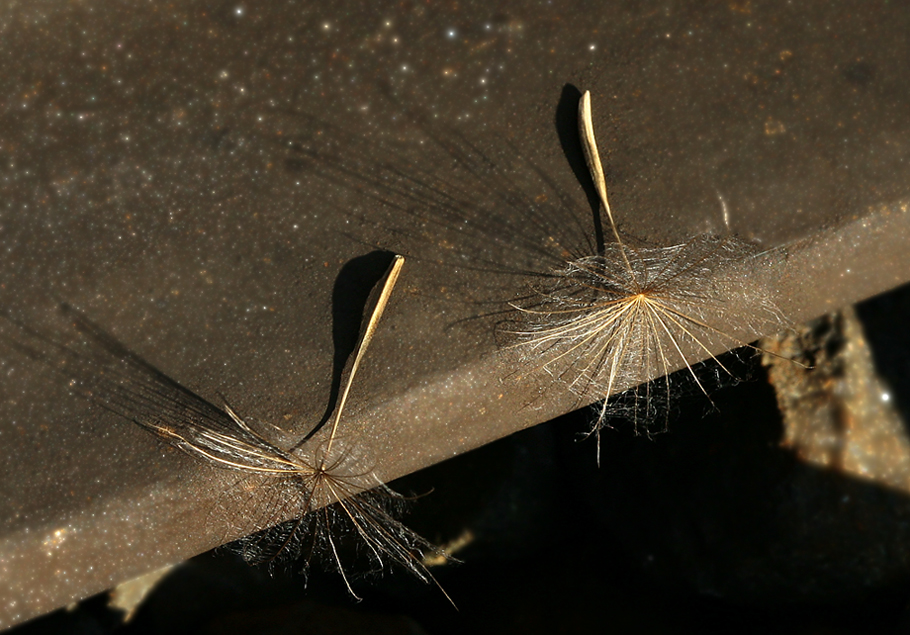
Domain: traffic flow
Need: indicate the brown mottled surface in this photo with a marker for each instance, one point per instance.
(145, 177)
(840, 414)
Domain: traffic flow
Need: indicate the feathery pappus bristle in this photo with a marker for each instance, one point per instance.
(627, 315)
(301, 502)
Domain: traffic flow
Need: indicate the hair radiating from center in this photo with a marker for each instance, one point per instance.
(619, 319)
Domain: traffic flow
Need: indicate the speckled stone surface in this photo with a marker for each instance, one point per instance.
(149, 174)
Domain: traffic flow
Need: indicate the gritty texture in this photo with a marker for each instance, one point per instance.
(146, 177)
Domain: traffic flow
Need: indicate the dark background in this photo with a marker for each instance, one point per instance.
(148, 175)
